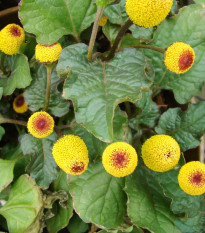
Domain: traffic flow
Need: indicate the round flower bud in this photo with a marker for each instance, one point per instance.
(148, 13)
(160, 153)
(11, 37)
(103, 21)
(179, 57)
(192, 178)
(19, 104)
(119, 159)
(71, 154)
(48, 54)
(40, 124)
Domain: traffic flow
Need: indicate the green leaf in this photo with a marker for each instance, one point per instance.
(144, 34)
(1, 92)
(6, 172)
(192, 206)
(25, 202)
(111, 31)
(199, 1)
(76, 225)
(20, 76)
(35, 93)
(128, 41)
(98, 197)
(147, 205)
(50, 20)
(104, 3)
(2, 132)
(186, 127)
(62, 215)
(116, 13)
(42, 166)
(97, 88)
(189, 27)
(149, 112)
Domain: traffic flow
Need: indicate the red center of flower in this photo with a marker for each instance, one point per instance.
(15, 31)
(186, 59)
(19, 101)
(78, 167)
(120, 159)
(41, 124)
(197, 178)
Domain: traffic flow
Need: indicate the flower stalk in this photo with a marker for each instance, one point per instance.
(48, 87)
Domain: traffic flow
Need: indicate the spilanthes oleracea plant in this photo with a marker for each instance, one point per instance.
(40, 124)
(19, 104)
(119, 159)
(71, 154)
(192, 178)
(115, 111)
(161, 153)
(179, 57)
(11, 37)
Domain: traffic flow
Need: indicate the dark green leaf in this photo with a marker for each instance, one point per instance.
(142, 33)
(36, 92)
(111, 31)
(2, 132)
(62, 215)
(98, 197)
(42, 166)
(186, 127)
(97, 88)
(128, 41)
(20, 76)
(147, 205)
(25, 202)
(50, 20)
(76, 225)
(1, 92)
(189, 27)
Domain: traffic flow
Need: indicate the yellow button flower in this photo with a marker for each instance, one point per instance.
(40, 124)
(160, 153)
(103, 21)
(179, 57)
(148, 13)
(19, 104)
(192, 178)
(71, 154)
(119, 159)
(11, 37)
(48, 54)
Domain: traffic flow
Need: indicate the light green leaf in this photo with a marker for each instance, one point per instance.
(192, 206)
(147, 206)
(1, 92)
(50, 20)
(6, 172)
(189, 27)
(42, 166)
(35, 93)
(98, 197)
(62, 215)
(104, 3)
(186, 127)
(20, 76)
(97, 88)
(76, 225)
(199, 1)
(116, 13)
(25, 202)
(2, 132)
(149, 112)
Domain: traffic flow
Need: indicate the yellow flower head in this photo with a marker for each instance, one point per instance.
(103, 21)
(160, 153)
(40, 124)
(148, 13)
(119, 159)
(179, 57)
(11, 37)
(192, 178)
(19, 104)
(48, 54)
(71, 154)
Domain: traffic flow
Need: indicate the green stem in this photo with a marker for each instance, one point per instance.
(160, 50)
(94, 33)
(3, 55)
(48, 87)
(128, 108)
(12, 121)
(120, 34)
